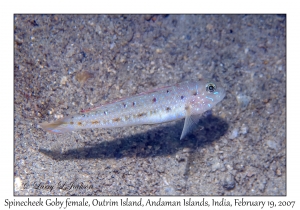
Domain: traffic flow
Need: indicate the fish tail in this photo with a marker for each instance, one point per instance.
(59, 126)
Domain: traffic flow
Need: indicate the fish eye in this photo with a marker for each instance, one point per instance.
(211, 87)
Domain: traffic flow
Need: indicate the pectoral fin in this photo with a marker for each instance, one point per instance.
(189, 123)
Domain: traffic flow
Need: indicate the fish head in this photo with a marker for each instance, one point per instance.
(207, 94)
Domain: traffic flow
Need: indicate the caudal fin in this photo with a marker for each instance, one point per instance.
(59, 126)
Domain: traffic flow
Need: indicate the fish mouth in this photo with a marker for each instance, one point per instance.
(220, 93)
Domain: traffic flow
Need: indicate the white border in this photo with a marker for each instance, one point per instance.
(153, 6)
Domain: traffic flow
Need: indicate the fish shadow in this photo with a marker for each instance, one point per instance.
(161, 141)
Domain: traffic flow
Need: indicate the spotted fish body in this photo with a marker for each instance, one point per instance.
(185, 100)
